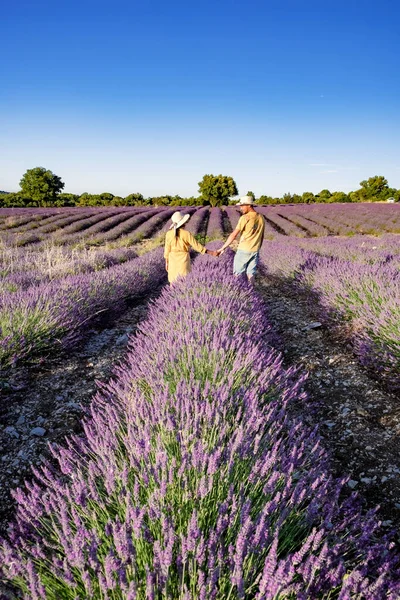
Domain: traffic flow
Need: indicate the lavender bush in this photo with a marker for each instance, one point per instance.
(54, 315)
(194, 480)
(360, 296)
(215, 229)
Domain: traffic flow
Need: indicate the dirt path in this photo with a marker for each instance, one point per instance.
(359, 420)
(47, 403)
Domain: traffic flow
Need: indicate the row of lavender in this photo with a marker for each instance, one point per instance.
(194, 480)
(46, 308)
(357, 287)
(91, 227)
(47, 316)
(97, 226)
(22, 267)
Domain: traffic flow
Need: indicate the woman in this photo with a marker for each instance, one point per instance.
(178, 242)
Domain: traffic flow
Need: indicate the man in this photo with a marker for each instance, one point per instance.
(251, 227)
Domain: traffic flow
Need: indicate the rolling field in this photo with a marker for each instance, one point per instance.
(210, 439)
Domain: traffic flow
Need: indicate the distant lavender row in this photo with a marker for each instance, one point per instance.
(362, 299)
(346, 219)
(198, 222)
(54, 315)
(215, 228)
(193, 481)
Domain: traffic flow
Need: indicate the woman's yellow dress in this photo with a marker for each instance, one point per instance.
(176, 252)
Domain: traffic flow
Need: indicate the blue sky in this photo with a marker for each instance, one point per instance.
(284, 96)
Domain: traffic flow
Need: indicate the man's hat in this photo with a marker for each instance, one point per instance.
(245, 201)
(178, 219)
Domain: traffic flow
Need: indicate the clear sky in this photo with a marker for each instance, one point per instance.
(283, 95)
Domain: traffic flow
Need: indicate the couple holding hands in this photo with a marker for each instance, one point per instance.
(178, 242)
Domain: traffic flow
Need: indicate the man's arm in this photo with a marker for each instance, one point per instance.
(229, 241)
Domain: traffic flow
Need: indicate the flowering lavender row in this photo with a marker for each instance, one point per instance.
(362, 299)
(35, 268)
(34, 221)
(215, 228)
(89, 228)
(280, 224)
(13, 219)
(193, 480)
(313, 229)
(128, 225)
(358, 248)
(64, 224)
(198, 222)
(349, 218)
(54, 315)
(152, 226)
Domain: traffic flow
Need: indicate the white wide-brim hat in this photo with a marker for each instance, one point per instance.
(245, 200)
(178, 219)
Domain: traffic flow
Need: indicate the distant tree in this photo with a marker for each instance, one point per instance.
(323, 196)
(296, 199)
(41, 185)
(134, 199)
(286, 198)
(339, 197)
(216, 189)
(65, 199)
(161, 200)
(106, 198)
(252, 194)
(118, 201)
(374, 188)
(308, 198)
(266, 200)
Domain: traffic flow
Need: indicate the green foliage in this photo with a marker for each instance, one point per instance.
(67, 199)
(216, 189)
(339, 197)
(134, 199)
(324, 196)
(41, 185)
(308, 198)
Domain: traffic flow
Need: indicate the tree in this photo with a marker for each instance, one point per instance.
(308, 197)
(323, 196)
(339, 197)
(252, 194)
(65, 199)
(216, 189)
(374, 188)
(41, 185)
(134, 199)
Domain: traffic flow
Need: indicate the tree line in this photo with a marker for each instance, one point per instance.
(41, 187)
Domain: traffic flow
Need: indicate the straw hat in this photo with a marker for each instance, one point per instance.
(245, 200)
(178, 219)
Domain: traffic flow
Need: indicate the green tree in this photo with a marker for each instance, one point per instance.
(339, 197)
(216, 189)
(134, 199)
(266, 200)
(41, 185)
(308, 198)
(324, 196)
(252, 194)
(65, 199)
(374, 188)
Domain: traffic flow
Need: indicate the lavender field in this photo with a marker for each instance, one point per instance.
(204, 466)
